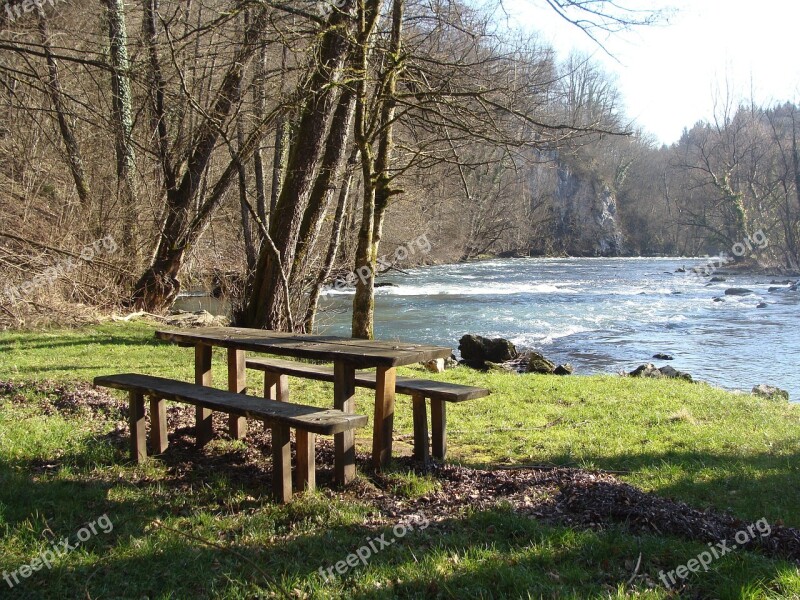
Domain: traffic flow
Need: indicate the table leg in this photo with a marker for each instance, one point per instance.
(439, 428)
(276, 386)
(204, 430)
(420, 412)
(237, 382)
(383, 425)
(306, 460)
(344, 390)
(158, 425)
(281, 464)
(138, 426)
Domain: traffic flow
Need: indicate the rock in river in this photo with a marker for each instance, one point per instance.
(650, 370)
(738, 292)
(537, 363)
(476, 350)
(770, 392)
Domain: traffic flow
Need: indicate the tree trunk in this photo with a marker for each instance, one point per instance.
(333, 245)
(158, 286)
(330, 173)
(56, 94)
(377, 187)
(268, 306)
(260, 100)
(122, 113)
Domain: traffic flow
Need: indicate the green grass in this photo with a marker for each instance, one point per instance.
(202, 533)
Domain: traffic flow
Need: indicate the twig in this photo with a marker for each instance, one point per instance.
(635, 570)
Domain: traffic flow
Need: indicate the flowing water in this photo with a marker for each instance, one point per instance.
(601, 315)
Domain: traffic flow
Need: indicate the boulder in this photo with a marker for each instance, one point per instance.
(716, 279)
(476, 350)
(673, 373)
(650, 370)
(762, 305)
(434, 366)
(537, 363)
(738, 292)
(662, 356)
(381, 284)
(770, 392)
(565, 369)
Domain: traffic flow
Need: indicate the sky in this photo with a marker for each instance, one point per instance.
(670, 74)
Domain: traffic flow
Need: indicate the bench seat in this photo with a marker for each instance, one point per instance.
(280, 416)
(439, 392)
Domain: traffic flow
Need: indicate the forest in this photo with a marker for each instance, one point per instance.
(266, 150)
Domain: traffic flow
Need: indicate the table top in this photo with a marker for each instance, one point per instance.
(359, 353)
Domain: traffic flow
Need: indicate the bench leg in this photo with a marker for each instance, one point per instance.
(281, 464)
(438, 427)
(158, 426)
(138, 426)
(237, 382)
(383, 426)
(276, 386)
(344, 389)
(204, 429)
(306, 457)
(419, 410)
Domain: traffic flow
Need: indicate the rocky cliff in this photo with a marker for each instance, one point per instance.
(584, 211)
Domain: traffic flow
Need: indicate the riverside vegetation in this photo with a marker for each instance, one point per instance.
(199, 523)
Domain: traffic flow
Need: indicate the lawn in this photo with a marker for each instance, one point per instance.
(177, 527)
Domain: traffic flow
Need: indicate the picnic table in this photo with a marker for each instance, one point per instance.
(347, 355)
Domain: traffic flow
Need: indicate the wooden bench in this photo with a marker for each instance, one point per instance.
(276, 386)
(280, 416)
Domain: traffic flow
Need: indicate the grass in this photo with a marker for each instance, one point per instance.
(207, 534)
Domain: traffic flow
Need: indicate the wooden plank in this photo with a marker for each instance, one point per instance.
(306, 460)
(360, 353)
(383, 425)
(276, 386)
(310, 418)
(450, 392)
(281, 464)
(138, 425)
(344, 390)
(439, 428)
(420, 412)
(237, 383)
(204, 428)
(158, 426)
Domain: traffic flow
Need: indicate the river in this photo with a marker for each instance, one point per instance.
(602, 315)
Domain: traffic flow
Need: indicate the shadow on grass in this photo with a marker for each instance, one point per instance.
(750, 487)
(235, 542)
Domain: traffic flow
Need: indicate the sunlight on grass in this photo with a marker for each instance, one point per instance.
(180, 535)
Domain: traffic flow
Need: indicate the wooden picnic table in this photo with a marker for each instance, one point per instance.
(347, 355)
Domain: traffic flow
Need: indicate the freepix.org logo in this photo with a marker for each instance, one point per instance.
(15, 10)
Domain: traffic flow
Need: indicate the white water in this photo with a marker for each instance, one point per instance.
(602, 315)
